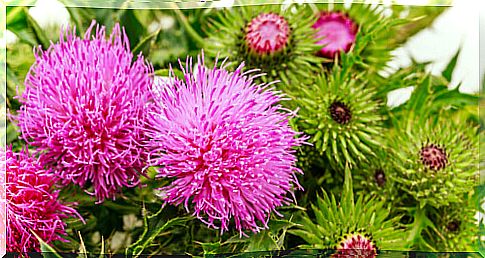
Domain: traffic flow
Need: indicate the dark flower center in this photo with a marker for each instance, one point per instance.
(453, 226)
(380, 177)
(433, 157)
(340, 112)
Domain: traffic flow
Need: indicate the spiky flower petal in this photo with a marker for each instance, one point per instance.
(336, 33)
(277, 41)
(435, 161)
(32, 204)
(227, 144)
(341, 116)
(82, 108)
(338, 223)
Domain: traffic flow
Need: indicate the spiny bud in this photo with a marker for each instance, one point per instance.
(267, 33)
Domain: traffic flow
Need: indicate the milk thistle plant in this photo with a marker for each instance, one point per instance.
(351, 227)
(340, 114)
(260, 130)
(361, 30)
(276, 40)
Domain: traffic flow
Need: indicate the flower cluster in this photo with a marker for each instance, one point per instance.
(297, 103)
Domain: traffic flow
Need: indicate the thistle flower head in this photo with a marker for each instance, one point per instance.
(340, 114)
(456, 226)
(336, 32)
(82, 108)
(356, 245)
(278, 41)
(267, 33)
(346, 225)
(360, 28)
(32, 204)
(377, 178)
(435, 161)
(227, 144)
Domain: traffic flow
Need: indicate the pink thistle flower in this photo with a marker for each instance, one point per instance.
(356, 245)
(267, 33)
(83, 105)
(32, 204)
(336, 32)
(226, 143)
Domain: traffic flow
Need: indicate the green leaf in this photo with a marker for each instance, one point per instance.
(47, 250)
(38, 32)
(456, 98)
(210, 248)
(420, 95)
(448, 72)
(270, 239)
(25, 27)
(154, 226)
(17, 24)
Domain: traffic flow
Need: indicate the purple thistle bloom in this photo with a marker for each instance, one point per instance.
(83, 106)
(336, 31)
(226, 143)
(32, 204)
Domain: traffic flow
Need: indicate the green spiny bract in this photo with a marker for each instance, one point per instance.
(377, 178)
(290, 63)
(376, 31)
(335, 220)
(341, 117)
(436, 161)
(455, 226)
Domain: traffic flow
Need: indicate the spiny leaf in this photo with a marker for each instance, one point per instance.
(448, 72)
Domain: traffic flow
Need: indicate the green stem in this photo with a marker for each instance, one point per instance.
(190, 30)
(421, 221)
(418, 225)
